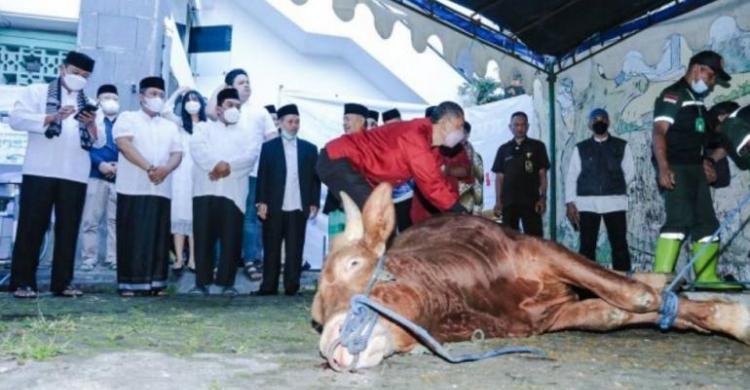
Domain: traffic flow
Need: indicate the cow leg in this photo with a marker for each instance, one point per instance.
(596, 314)
(599, 315)
(620, 291)
(657, 281)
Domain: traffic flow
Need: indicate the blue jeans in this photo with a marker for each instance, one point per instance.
(252, 244)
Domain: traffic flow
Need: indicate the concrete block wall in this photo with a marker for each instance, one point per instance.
(126, 38)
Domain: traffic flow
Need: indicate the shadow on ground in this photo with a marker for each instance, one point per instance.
(102, 341)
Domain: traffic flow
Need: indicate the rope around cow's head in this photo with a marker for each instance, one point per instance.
(361, 319)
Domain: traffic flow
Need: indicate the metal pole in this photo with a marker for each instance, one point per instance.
(551, 78)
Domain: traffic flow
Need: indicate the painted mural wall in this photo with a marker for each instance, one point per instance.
(625, 81)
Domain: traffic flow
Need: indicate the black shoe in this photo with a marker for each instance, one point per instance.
(263, 293)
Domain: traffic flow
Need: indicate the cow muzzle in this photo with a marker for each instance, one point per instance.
(340, 359)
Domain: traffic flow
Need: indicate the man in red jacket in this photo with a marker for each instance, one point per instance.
(395, 153)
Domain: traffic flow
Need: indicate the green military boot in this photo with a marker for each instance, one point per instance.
(667, 250)
(705, 268)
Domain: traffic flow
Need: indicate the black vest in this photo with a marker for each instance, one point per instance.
(601, 167)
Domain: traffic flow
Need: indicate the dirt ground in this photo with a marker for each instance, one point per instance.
(102, 341)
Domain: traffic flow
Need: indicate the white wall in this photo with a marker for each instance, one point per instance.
(271, 62)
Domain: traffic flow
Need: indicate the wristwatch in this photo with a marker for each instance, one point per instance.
(150, 168)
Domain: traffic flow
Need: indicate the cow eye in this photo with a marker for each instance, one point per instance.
(353, 263)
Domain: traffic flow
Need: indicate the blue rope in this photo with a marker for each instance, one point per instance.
(361, 319)
(670, 302)
(668, 310)
(361, 301)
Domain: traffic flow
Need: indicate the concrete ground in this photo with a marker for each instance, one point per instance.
(102, 341)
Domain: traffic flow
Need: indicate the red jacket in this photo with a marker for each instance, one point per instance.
(420, 210)
(395, 153)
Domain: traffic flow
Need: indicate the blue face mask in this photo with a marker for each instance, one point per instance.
(287, 136)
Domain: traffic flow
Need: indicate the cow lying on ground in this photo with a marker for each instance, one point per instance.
(455, 274)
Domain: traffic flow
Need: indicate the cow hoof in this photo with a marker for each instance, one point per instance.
(744, 321)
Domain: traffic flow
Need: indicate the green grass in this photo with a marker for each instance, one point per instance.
(181, 326)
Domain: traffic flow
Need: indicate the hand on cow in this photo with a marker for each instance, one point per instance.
(262, 210)
(313, 212)
(572, 214)
(541, 205)
(666, 178)
(708, 169)
(498, 210)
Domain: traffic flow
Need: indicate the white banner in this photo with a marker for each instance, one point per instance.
(12, 143)
(321, 119)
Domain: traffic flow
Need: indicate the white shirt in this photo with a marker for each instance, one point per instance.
(597, 204)
(155, 138)
(259, 122)
(212, 142)
(292, 200)
(58, 157)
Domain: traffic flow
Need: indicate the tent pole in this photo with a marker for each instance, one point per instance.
(552, 185)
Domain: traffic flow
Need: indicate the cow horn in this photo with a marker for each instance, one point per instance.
(354, 229)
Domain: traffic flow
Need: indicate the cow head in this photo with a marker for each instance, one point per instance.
(346, 272)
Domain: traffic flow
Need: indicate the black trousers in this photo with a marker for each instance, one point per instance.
(143, 240)
(216, 220)
(617, 230)
(289, 227)
(403, 214)
(39, 195)
(514, 215)
(339, 175)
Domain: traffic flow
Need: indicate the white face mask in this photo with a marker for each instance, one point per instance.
(74, 82)
(454, 137)
(287, 135)
(110, 106)
(192, 107)
(232, 115)
(154, 104)
(699, 86)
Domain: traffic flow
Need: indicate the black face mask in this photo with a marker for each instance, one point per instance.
(600, 128)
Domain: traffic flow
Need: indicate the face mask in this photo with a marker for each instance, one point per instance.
(699, 86)
(232, 115)
(110, 106)
(600, 127)
(454, 138)
(287, 135)
(74, 82)
(192, 107)
(154, 104)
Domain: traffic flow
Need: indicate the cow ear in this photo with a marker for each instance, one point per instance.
(379, 217)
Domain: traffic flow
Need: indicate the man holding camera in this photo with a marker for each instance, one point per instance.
(59, 119)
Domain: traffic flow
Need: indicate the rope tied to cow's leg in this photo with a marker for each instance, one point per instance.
(668, 310)
(670, 301)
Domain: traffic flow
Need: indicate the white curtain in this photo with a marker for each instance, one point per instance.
(321, 118)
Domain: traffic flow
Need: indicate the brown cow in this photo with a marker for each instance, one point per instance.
(456, 274)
